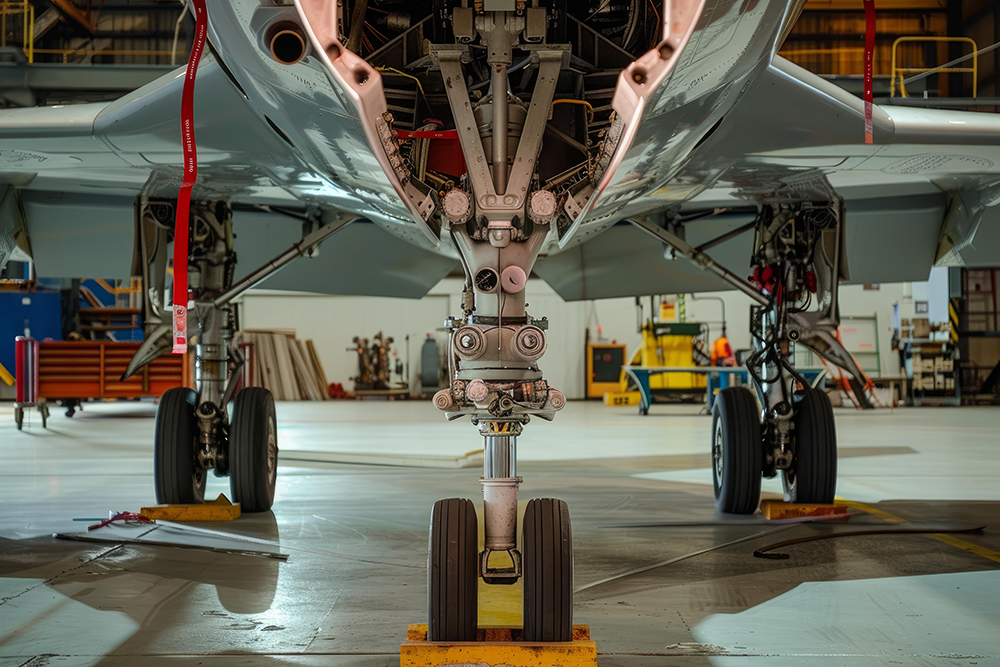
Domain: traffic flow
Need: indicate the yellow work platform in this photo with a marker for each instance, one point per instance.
(496, 647)
(775, 510)
(219, 509)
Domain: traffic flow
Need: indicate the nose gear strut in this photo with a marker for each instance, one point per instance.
(497, 218)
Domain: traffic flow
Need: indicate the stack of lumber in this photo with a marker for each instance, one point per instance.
(286, 366)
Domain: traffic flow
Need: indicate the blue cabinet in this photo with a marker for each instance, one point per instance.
(38, 314)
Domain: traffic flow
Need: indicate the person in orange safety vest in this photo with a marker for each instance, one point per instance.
(722, 352)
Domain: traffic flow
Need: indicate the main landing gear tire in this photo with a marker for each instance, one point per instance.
(812, 477)
(548, 571)
(737, 451)
(453, 572)
(178, 477)
(253, 450)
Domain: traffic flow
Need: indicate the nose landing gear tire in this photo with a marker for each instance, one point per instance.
(813, 475)
(253, 450)
(453, 572)
(178, 477)
(737, 451)
(548, 571)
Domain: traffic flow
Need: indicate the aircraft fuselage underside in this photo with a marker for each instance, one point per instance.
(496, 130)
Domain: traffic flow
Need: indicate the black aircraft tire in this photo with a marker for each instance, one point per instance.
(548, 571)
(813, 475)
(253, 450)
(177, 476)
(737, 451)
(453, 572)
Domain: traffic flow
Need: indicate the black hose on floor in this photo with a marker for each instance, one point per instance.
(763, 552)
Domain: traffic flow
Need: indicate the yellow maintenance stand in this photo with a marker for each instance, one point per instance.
(671, 343)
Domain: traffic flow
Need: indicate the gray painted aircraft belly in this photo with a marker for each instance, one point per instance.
(309, 107)
(730, 45)
(729, 124)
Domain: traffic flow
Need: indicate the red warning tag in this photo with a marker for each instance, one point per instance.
(869, 57)
(190, 163)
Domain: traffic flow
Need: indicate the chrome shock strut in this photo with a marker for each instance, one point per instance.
(500, 482)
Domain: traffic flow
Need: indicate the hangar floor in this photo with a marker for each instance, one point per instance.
(356, 537)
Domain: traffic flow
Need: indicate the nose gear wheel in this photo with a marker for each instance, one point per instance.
(452, 572)
(812, 478)
(548, 571)
(177, 475)
(737, 451)
(253, 450)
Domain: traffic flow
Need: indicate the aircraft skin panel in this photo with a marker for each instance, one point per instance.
(731, 42)
(311, 105)
(888, 240)
(362, 259)
(122, 148)
(76, 234)
(726, 122)
(985, 249)
(793, 124)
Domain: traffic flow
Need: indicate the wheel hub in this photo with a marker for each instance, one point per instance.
(717, 452)
(272, 449)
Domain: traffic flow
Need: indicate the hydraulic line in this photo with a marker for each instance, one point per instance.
(500, 127)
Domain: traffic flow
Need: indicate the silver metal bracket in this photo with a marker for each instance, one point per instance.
(503, 576)
(700, 259)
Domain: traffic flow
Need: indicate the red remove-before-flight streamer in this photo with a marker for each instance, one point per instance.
(869, 57)
(190, 163)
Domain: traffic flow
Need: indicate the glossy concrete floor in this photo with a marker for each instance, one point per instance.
(355, 536)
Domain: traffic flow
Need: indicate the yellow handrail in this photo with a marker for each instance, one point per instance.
(27, 12)
(65, 53)
(111, 289)
(974, 70)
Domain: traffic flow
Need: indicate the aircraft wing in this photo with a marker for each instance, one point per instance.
(71, 175)
(921, 194)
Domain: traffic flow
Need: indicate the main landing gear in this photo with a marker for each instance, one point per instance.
(783, 425)
(196, 431)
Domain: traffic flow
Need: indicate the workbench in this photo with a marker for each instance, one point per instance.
(719, 377)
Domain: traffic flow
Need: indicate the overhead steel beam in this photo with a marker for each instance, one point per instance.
(72, 11)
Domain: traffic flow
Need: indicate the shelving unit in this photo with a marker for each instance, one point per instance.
(979, 336)
(933, 373)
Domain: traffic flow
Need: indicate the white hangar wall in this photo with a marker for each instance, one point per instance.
(332, 321)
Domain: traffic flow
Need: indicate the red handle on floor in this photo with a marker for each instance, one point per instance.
(190, 176)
